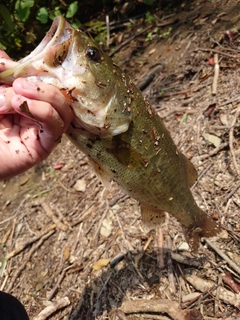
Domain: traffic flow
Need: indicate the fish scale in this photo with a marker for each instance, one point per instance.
(116, 127)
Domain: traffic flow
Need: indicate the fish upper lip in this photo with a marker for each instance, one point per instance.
(54, 36)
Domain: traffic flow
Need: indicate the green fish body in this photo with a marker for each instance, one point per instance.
(117, 128)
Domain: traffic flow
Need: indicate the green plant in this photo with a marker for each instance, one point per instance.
(165, 34)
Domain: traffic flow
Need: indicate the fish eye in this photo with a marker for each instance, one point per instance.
(93, 54)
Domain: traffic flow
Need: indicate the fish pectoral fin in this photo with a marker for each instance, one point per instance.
(102, 175)
(125, 153)
(152, 217)
(190, 170)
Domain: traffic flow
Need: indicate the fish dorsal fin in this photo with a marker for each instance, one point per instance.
(152, 217)
(102, 175)
(190, 170)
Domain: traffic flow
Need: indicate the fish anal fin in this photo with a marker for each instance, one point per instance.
(190, 170)
(102, 175)
(152, 217)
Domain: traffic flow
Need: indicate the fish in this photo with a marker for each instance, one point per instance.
(117, 128)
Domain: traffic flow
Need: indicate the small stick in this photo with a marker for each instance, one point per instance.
(160, 254)
(55, 306)
(26, 244)
(231, 193)
(31, 252)
(82, 217)
(231, 263)
(201, 175)
(215, 151)
(216, 74)
(108, 30)
(169, 264)
(219, 52)
(159, 306)
(150, 239)
(194, 262)
(231, 139)
(54, 289)
(53, 217)
(202, 285)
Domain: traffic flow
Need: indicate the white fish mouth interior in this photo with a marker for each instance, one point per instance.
(54, 36)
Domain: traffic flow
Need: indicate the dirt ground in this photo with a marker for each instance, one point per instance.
(54, 234)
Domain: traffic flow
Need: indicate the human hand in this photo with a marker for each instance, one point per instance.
(33, 117)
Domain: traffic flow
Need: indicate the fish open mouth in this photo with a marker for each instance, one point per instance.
(59, 32)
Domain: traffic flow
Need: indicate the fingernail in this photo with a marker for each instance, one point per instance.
(28, 85)
(2, 101)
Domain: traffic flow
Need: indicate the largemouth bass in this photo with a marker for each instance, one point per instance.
(115, 126)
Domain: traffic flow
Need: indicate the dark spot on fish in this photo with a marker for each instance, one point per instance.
(41, 130)
(93, 54)
(90, 112)
(100, 84)
(89, 145)
(113, 171)
(107, 125)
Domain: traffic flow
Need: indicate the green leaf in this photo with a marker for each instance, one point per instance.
(72, 9)
(22, 9)
(7, 17)
(42, 15)
(76, 24)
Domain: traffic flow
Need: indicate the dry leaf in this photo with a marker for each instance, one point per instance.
(80, 185)
(152, 51)
(216, 141)
(106, 228)
(98, 265)
(66, 253)
(209, 110)
(59, 166)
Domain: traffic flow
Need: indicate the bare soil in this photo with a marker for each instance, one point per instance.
(54, 237)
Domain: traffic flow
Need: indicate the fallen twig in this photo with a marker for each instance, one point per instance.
(231, 140)
(31, 252)
(53, 307)
(216, 74)
(170, 265)
(160, 252)
(215, 151)
(28, 243)
(160, 306)
(231, 193)
(219, 52)
(53, 217)
(203, 285)
(194, 262)
(231, 263)
(54, 289)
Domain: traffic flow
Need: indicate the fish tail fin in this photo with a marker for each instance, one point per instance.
(204, 228)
